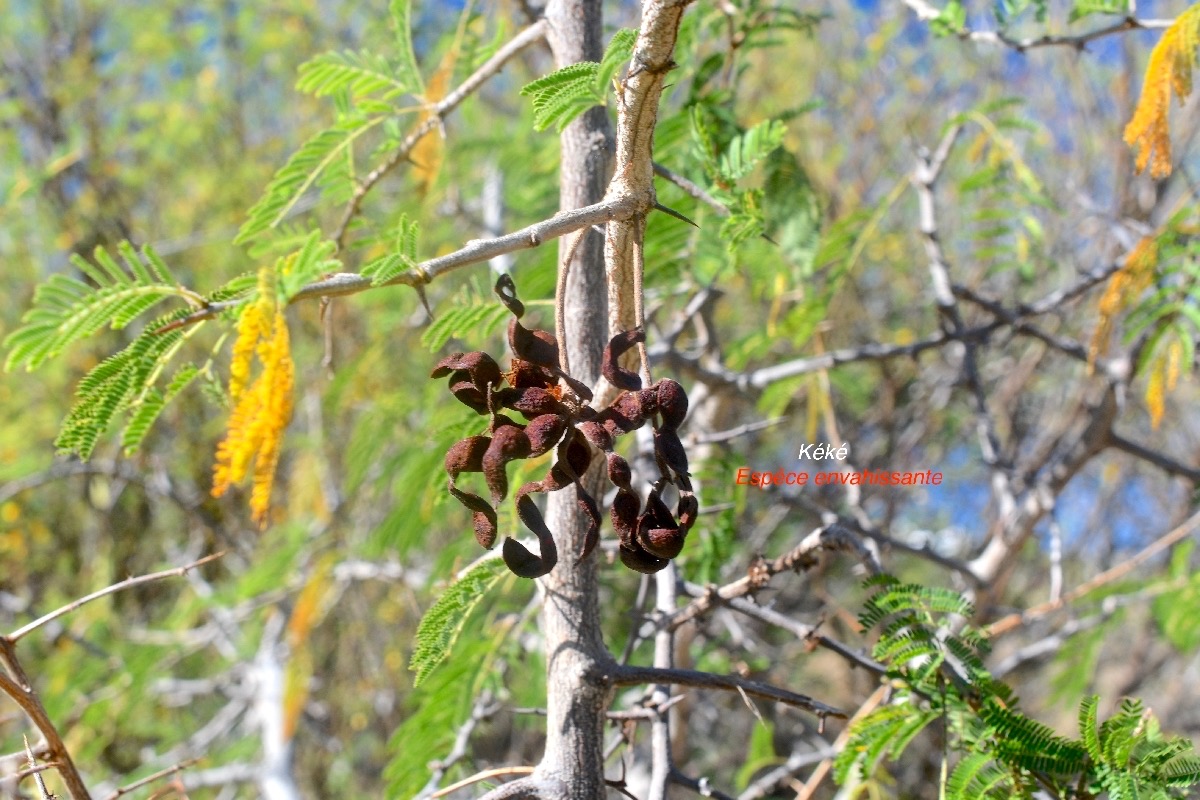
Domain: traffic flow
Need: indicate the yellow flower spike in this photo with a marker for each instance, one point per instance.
(1169, 69)
(1123, 287)
(254, 440)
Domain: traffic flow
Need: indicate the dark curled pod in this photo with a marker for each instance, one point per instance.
(538, 347)
(657, 531)
(517, 557)
(580, 388)
(560, 475)
(525, 375)
(483, 515)
(466, 392)
(531, 402)
(481, 369)
(597, 435)
(648, 402)
(578, 456)
(506, 290)
(638, 560)
(668, 447)
(544, 432)
(687, 510)
(623, 416)
(500, 421)
(610, 365)
(508, 444)
(587, 505)
(466, 455)
(672, 403)
(618, 471)
(624, 514)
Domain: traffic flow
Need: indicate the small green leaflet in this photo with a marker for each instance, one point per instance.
(749, 148)
(357, 73)
(404, 257)
(151, 406)
(564, 94)
(66, 309)
(401, 11)
(301, 173)
(444, 620)
(312, 260)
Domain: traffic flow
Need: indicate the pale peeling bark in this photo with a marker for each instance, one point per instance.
(633, 177)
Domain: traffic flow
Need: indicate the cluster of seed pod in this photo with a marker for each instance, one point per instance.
(562, 419)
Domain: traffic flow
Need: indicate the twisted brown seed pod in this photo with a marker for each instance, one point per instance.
(532, 402)
(467, 456)
(544, 432)
(618, 471)
(672, 403)
(508, 444)
(517, 557)
(670, 449)
(610, 366)
(657, 531)
(638, 560)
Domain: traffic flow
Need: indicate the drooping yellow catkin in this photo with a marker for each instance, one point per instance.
(1156, 390)
(260, 414)
(1174, 362)
(1169, 68)
(1123, 288)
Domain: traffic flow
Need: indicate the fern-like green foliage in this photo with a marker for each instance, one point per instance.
(937, 667)
(66, 309)
(313, 259)
(566, 93)
(729, 155)
(358, 74)
(470, 314)
(748, 149)
(403, 256)
(406, 62)
(304, 171)
(126, 383)
(442, 623)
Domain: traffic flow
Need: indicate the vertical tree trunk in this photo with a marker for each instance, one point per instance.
(576, 659)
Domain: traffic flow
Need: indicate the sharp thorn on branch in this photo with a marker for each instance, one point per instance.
(673, 213)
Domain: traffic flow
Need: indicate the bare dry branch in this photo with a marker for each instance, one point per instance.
(116, 587)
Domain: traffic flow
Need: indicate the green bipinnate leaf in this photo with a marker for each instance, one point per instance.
(442, 622)
(748, 149)
(67, 309)
(302, 172)
(566, 93)
(403, 257)
(359, 74)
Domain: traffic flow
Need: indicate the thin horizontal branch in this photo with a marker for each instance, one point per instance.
(633, 676)
(926, 12)
(700, 786)
(473, 252)
(801, 557)
(802, 631)
(162, 773)
(116, 587)
(487, 774)
(692, 189)
(531, 786)
(1012, 621)
(1163, 462)
(875, 351)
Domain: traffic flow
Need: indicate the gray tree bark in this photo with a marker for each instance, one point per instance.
(577, 661)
